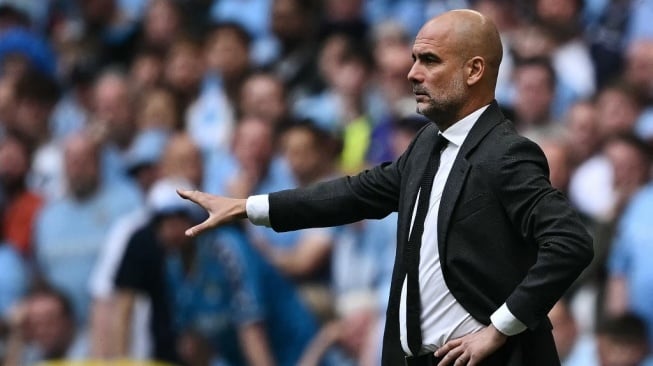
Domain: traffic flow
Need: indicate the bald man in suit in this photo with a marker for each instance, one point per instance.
(485, 245)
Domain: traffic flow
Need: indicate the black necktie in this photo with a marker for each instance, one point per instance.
(413, 302)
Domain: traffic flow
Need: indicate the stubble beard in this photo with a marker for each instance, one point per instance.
(444, 111)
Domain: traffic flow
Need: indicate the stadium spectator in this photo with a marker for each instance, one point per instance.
(157, 156)
(342, 106)
(390, 96)
(215, 285)
(591, 188)
(535, 85)
(35, 97)
(311, 155)
(42, 328)
(163, 21)
(70, 231)
(227, 58)
(294, 25)
(20, 204)
(146, 70)
(263, 96)
(570, 58)
(112, 120)
(557, 153)
(621, 340)
(107, 30)
(629, 282)
(158, 110)
(582, 132)
(183, 70)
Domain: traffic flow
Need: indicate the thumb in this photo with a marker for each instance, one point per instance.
(199, 228)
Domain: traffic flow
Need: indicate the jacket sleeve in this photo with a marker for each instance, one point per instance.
(372, 194)
(543, 217)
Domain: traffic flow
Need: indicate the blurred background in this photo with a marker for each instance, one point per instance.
(107, 106)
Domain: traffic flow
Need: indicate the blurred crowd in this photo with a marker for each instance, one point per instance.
(108, 106)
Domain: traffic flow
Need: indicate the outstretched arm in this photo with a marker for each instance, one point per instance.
(221, 210)
(372, 193)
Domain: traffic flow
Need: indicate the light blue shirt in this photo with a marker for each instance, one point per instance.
(632, 255)
(639, 23)
(69, 235)
(363, 257)
(13, 278)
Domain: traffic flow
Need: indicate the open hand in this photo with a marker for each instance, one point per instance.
(221, 210)
(471, 349)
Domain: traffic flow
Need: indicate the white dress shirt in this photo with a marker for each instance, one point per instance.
(442, 318)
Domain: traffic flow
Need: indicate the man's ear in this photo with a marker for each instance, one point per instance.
(475, 68)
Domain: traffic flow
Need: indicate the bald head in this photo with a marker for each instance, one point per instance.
(469, 34)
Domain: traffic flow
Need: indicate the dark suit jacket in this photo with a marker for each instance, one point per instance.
(504, 234)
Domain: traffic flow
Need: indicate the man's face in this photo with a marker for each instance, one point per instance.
(81, 167)
(170, 231)
(183, 158)
(253, 146)
(630, 167)
(534, 94)
(302, 153)
(616, 112)
(111, 105)
(618, 353)
(287, 20)
(437, 73)
(161, 22)
(263, 97)
(13, 164)
(48, 326)
(227, 53)
(32, 117)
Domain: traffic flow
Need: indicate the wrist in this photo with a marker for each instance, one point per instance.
(497, 334)
(240, 208)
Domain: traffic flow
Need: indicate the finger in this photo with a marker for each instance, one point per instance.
(199, 228)
(187, 194)
(195, 196)
(447, 347)
(451, 356)
(463, 359)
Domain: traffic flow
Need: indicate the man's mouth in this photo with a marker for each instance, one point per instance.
(420, 92)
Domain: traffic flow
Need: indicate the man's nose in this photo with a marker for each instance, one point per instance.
(415, 76)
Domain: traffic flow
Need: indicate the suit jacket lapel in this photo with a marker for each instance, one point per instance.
(456, 180)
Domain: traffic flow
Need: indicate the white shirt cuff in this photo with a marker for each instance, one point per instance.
(506, 322)
(258, 210)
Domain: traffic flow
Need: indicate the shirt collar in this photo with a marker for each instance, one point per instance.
(457, 132)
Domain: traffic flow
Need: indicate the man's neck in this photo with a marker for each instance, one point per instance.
(468, 108)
